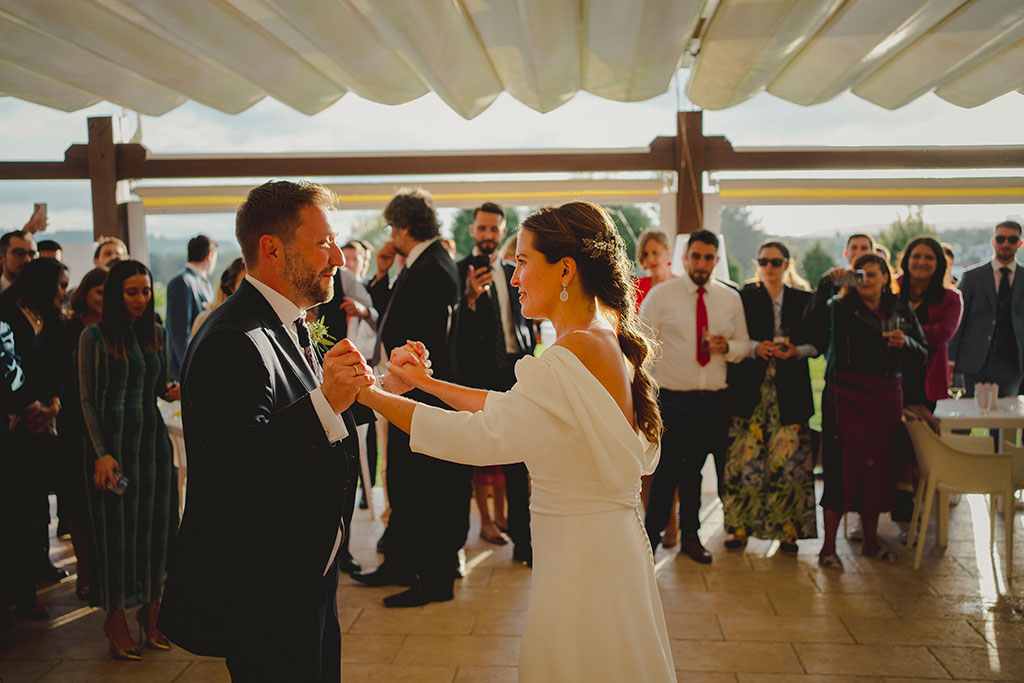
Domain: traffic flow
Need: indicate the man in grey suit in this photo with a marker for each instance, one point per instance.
(188, 292)
(988, 346)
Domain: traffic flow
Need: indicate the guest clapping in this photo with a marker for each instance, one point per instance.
(122, 364)
(872, 336)
(769, 483)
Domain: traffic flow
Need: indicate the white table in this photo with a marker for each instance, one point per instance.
(964, 414)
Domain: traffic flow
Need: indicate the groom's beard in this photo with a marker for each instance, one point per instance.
(315, 287)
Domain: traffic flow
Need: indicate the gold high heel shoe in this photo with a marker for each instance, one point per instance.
(132, 654)
(158, 643)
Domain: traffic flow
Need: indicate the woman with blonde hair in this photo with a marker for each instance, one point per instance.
(584, 416)
(655, 256)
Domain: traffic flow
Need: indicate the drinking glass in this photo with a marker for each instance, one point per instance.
(890, 325)
(957, 386)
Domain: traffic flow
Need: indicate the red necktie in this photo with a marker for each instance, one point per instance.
(703, 353)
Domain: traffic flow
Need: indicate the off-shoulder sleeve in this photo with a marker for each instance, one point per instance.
(512, 427)
(91, 357)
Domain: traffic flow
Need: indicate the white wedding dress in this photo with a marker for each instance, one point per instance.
(594, 612)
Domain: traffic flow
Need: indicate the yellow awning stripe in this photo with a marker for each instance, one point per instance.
(235, 200)
(867, 192)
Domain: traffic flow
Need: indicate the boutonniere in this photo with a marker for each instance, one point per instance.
(319, 335)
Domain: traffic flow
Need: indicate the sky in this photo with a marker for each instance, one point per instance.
(31, 132)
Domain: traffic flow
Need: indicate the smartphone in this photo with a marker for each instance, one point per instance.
(39, 210)
(852, 278)
(480, 262)
(122, 484)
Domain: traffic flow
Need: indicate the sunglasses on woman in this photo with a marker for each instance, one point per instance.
(1012, 239)
(776, 262)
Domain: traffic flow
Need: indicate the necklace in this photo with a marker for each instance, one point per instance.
(33, 317)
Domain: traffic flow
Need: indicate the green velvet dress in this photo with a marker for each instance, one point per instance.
(130, 533)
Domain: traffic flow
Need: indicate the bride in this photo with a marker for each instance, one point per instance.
(584, 414)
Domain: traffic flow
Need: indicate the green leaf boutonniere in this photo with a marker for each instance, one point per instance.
(319, 335)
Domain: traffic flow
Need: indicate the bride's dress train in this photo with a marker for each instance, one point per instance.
(594, 612)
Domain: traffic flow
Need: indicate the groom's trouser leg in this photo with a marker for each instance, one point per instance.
(300, 641)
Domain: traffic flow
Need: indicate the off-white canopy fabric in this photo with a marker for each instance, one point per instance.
(153, 55)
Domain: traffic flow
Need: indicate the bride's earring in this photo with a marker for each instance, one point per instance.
(564, 295)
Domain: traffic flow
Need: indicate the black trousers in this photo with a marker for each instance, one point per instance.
(304, 646)
(517, 478)
(429, 514)
(696, 424)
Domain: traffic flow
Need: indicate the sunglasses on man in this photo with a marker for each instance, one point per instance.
(776, 262)
(23, 253)
(1012, 239)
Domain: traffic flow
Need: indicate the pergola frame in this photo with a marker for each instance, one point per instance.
(689, 154)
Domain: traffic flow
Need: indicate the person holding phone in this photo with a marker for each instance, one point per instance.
(769, 479)
(493, 335)
(871, 336)
(122, 370)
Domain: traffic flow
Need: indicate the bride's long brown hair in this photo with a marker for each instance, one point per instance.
(585, 233)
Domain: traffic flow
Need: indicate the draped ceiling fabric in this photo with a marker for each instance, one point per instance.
(153, 55)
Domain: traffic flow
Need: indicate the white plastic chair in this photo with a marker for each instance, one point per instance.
(947, 468)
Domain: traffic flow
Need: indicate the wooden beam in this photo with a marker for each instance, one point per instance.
(690, 165)
(103, 178)
(135, 161)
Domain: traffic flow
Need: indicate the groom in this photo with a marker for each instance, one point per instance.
(269, 437)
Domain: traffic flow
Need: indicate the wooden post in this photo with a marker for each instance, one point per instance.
(691, 163)
(103, 179)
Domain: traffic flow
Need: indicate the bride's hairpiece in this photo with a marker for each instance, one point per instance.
(609, 247)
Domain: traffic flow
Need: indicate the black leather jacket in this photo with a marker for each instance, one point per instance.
(857, 345)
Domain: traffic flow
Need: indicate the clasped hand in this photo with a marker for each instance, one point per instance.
(768, 349)
(408, 367)
(345, 373)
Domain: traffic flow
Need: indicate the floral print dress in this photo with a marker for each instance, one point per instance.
(769, 479)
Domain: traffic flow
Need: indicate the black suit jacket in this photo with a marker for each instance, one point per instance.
(424, 307)
(477, 331)
(265, 488)
(792, 378)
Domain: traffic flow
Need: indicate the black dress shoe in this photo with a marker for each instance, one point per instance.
(523, 555)
(47, 573)
(348, 565)
(691, 546)
(416, 597)
(382, 576)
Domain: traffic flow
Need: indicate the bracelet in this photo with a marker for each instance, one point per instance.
(379, 376)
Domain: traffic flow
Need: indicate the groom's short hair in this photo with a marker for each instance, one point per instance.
(273, 209)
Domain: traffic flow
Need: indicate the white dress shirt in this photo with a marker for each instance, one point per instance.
(670, 309)
(4, 283)
(996, 266)
(334, 427)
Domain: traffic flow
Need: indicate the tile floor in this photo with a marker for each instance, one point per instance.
(753, 616)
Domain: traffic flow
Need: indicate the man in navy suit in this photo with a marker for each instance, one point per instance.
(188, 293)
(270, 439)
(493, 336)
(988, 345)
(429, 498)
